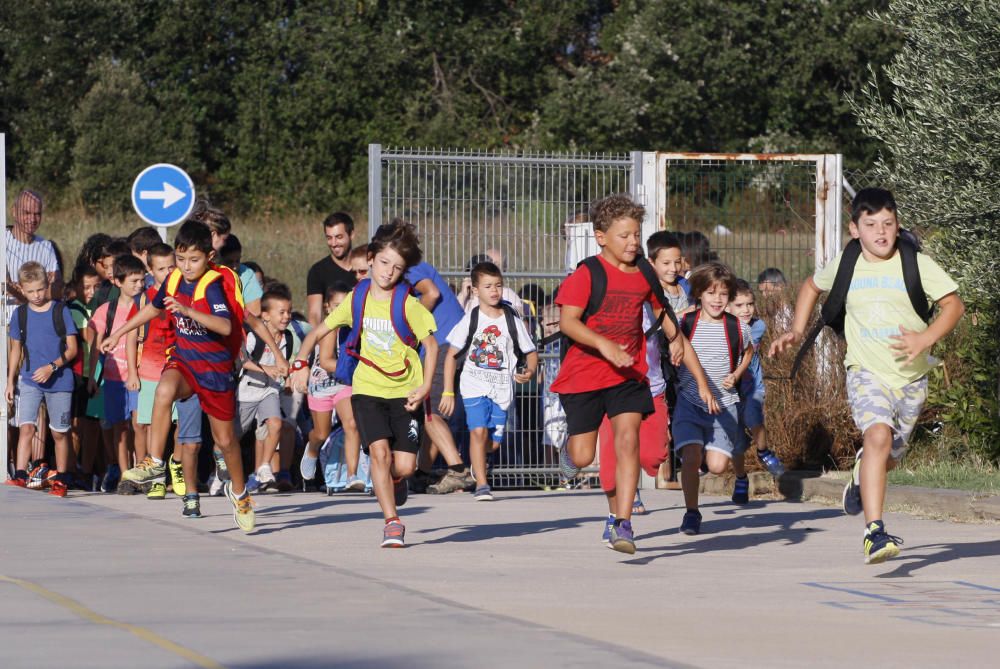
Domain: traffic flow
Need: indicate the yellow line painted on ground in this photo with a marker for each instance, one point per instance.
(96, 618)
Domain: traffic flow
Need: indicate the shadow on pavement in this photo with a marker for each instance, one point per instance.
(785, 532)
(909, 563)
(265, 527)
(467, 533)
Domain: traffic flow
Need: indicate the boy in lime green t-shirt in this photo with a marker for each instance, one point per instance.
(887, 352)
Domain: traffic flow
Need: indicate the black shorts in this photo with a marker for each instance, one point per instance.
(378, 418)
(585, 411)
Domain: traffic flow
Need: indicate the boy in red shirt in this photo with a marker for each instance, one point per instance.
(604, 371)
(201, 363)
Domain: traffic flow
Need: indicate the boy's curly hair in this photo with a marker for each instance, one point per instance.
(607, 210)
(710, 273)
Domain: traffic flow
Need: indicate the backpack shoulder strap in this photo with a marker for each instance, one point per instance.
(58, 319)
(204, 282)
(289, 344)
(911, 278)
(258, 347)
(734, 339)
(174, 282)
(833, 310)
(397, 310)
(22, 325)
(688, 323)
(473, 325)
(109, 321)
(598, 286)
(511, 317)
(358, 298)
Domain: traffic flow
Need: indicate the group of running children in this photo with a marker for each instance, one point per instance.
(649, 353)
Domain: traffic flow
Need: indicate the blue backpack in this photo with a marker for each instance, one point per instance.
(349, 354)
(332, 459)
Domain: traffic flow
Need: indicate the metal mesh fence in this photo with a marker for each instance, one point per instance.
(464, 203)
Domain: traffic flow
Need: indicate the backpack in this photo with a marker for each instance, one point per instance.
(733, 330)
(233, 291)
(834, 308)
(350, 350)
(511, 317)
(332, 458)
(287, 345)
(58, 323)
(599, 288)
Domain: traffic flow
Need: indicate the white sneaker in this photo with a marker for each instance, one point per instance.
(215, 485)
(355, 484)
(265, 476)
(308, 467)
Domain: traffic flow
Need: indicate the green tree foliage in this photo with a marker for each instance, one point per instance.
(119, 131)
(941, 136)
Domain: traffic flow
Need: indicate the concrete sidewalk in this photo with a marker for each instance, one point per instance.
(520, 582)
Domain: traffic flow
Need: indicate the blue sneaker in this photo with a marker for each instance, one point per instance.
(622, 539)
(253, 484)
(771, 462)
(691, 523)
(851, 499)
(741, 491)
(638, 508)
(566, 466)
(606, 537)
(483, 494)
(111, 478)
(880, 546)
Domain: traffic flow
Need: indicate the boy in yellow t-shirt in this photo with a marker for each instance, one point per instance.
(389, 382)
(887, 352)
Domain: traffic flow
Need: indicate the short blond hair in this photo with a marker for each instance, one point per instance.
(32, 271)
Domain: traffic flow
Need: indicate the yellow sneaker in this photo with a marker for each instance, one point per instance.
(157, 490)
(177, 477)
(145, 471)
(243, 512)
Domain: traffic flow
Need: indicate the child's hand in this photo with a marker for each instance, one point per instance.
(281, 368)
(676, 350)
(705, 393)
(909, 344)
(9, 392)
(109, 343)
(783, 343)
(525, 375)
(299, 379)
(447, 405)
(614, 353)
(729, 381)
(42, 374)
(417, 396)
(175, 307)
(133, 382)
(273, 372)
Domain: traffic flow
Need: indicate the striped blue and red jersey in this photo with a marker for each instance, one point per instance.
(203, 352)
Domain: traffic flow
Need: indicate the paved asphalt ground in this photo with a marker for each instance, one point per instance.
(108, 581)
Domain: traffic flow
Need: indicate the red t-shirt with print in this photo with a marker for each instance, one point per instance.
(160, 336)
(619, 319)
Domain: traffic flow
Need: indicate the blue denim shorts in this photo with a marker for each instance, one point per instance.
(722, 432)
(753, 410)
(484, 412)
(188, 420)
(118, 403)
(59, 404)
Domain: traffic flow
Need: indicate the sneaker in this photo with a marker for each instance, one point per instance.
(221, 470)
(879, 545)
(392, 535)
(112, 476)
(17, 482)
(177, 477)
(851, 499)
(283, 481)
(146, 471)
(58, 488)
(638, 508)
(243, 512)
(253, 484)
(606, 537)
(192, 506)
(215, 486)
(622, 539)
(400, 490)
(266, 477)
(483, 494)
(158, 490)
(567, 469)
(691, 523)
(741, 491)
(355, 484)
(452, 482)
(307, 467)
(40, 476)
(771, 462)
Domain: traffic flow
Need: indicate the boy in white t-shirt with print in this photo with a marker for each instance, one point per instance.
(489, 365)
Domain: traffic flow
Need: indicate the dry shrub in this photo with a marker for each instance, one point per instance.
(808, 421)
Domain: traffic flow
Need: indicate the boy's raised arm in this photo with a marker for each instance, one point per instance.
(805, 304)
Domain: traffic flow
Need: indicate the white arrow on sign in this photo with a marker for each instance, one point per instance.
(170, 195)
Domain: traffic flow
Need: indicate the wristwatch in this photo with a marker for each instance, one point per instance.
(54, 366)
(298, 364)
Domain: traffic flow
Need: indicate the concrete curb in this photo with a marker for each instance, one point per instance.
(959, 505)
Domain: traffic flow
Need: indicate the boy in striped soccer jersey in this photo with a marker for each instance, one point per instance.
(202, 362)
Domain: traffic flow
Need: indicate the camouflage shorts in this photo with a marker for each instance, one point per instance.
(873, 402)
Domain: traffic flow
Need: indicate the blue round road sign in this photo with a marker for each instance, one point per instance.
(163, 194)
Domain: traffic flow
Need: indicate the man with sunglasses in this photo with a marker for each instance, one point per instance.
(338, 229)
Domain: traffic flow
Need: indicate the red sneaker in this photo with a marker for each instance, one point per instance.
(58, 489)
(19, 483)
